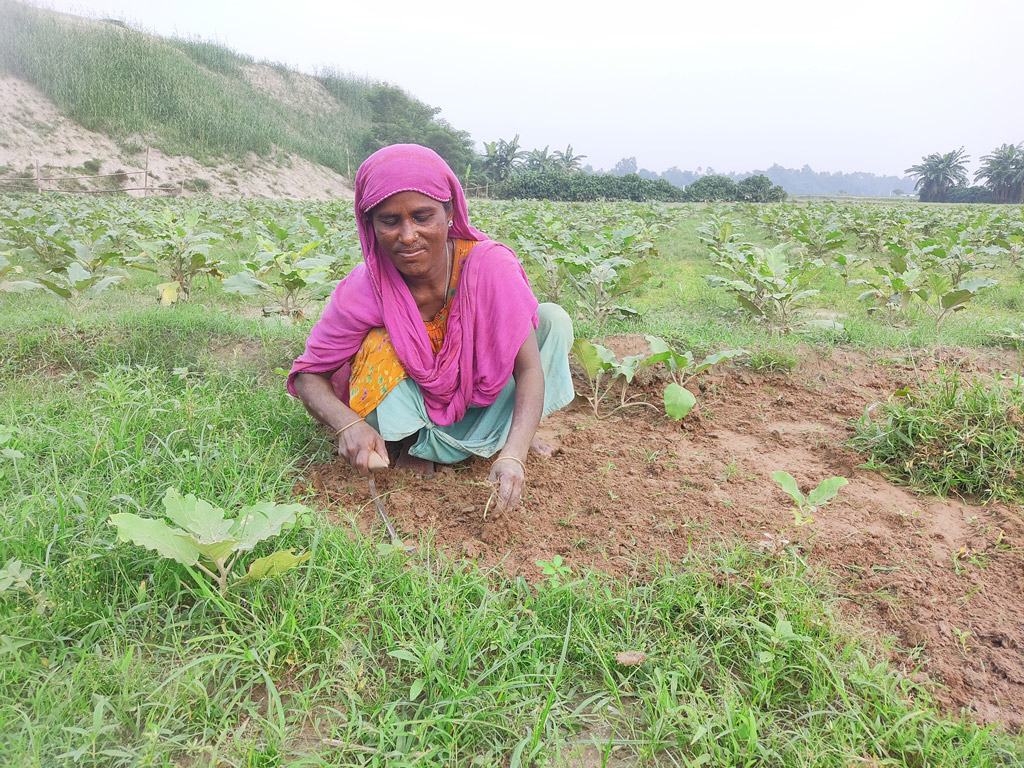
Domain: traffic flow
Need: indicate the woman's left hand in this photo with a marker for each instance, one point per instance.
(510, 478)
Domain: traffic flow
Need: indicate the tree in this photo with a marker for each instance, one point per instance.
(624, 167)
(707, 189)
(759, 189)
(396, 117)
(937, 174)
(539, 160)
(568, 161)
(502, 158)
(1003, 171)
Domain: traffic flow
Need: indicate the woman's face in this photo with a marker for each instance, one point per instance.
(412, 229)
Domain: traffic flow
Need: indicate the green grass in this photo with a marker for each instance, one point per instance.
(420, 662)
(951, 434)
(399, 662)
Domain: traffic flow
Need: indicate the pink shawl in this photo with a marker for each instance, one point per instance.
(491, 314)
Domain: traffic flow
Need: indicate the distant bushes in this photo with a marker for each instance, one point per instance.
(964, 194)
(582, 187)
(753, 189)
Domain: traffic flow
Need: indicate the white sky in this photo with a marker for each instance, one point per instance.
(734, 85)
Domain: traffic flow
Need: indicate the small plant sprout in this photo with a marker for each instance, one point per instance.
(601, 366)
(682, 368)
(807, 506)
(554, 570)
(209, 540)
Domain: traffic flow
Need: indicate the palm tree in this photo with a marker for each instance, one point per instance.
(568, 160)
(502, 158)
(1003, 171)
(539, 160)
(937, 173)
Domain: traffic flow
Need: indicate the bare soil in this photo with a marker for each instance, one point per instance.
(940, 581)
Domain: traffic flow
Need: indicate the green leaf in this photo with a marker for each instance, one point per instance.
(51, 286)
(416, 688)
(826, 490)
(953, 298)
(750, 306)
(789, 486)
(10, 453)
(975, 284)
(243, 283)
(273, 565)
(716, 358)
(155, 534)
(204, 521)
(678, 401)
(261, 521)
(404, 655)
(593, 357)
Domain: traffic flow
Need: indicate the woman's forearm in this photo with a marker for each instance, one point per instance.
(529, 399)
(317, 394)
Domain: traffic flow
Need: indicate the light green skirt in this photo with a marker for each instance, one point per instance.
(483, 430)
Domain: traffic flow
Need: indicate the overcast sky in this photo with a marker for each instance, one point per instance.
(729, 84)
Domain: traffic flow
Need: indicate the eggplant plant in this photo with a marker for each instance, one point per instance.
(212, 542)
(718, 230)
(897, 284)
(769, 283)
(807, 506)
(606, 373)
(682, 368)
(293, 277)
(179, 249)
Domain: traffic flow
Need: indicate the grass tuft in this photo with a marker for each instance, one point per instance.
(951, 435)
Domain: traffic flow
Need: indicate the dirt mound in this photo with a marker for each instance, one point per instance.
(942, 576)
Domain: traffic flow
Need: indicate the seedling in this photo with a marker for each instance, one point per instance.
(554, 570)
(807, 506)
(212, 542)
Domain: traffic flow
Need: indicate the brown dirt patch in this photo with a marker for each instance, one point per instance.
(944, 578)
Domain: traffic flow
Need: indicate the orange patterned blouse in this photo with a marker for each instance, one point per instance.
(376, 369)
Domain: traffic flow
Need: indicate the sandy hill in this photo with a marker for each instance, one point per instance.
(33, 130)
(85, 97)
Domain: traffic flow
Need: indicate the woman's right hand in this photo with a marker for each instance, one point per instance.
(357, 443)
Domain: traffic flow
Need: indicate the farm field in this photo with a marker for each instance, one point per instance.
(142, 346)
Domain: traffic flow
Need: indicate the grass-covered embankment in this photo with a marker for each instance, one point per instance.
(193, 97)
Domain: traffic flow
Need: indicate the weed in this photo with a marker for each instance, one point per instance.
(554, 570)
(950, 434)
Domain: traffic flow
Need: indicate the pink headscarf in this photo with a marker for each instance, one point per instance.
(490, 317)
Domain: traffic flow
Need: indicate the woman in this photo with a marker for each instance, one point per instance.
(435, 341)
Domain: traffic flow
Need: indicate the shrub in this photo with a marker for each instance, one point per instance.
(197, 185)
(712, 188)
(970, 195)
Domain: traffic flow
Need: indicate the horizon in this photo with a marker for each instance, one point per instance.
(736, 96)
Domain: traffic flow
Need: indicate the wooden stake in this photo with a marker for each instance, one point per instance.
(39, 183)
(145, 183)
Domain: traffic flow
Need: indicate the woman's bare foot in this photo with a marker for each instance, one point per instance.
(413, 464)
